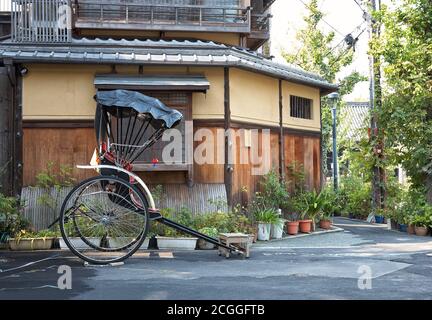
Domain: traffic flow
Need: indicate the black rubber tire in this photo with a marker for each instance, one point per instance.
(137, 244)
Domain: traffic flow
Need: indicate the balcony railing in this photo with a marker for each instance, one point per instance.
(161, 16)
(260, 23)
(41, 20)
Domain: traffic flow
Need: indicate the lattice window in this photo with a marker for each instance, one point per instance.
(301, 107)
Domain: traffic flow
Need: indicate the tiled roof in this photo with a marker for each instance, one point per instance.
(159, 52)
(355, 117)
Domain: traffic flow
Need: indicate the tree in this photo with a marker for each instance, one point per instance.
(406, 116)
(318, 54)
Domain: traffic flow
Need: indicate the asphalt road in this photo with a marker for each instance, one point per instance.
(391, 265)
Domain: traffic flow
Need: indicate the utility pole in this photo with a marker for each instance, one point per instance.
(376, 105)
(334, 98)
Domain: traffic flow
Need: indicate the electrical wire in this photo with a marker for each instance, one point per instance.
(323, 20)
(343, 40)
(360, 6)
(347, 49)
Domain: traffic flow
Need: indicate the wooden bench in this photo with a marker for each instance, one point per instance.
(239, 240)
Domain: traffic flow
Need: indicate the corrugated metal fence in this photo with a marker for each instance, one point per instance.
(201, 198)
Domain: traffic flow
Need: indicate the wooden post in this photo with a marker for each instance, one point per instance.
(228, 173)
(281, 135)
(322, 153)
(6, 107)
(16, 130)
(18, 136)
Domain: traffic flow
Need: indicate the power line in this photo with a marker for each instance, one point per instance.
(348, 48)
(323, 20)
(365, 13)
(343, 40)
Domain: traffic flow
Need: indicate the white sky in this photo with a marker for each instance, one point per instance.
(343, 15)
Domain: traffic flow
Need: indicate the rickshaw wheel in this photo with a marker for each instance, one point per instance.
(104, 220)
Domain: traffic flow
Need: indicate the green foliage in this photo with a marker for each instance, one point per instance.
(317, 54)
(423, 220)
(223, 222)
(211, 232)
(158, 193)
(296, 177)
(11, 220)
(268, 215)
(355, 196)
(412, 208)
(49, 179)
(24, 234)
(406, 116)
(275, 194)
(310, 204)
(184, 217)
(331, 204)
(220, 204)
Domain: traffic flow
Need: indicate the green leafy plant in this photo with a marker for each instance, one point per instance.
(406, 117)
(158, 194)
(268, 215)
(424, 220)
(313, 203)
(11, 219)
(52, 182)
(211, 232)
(296, 177)
(43, 234)
(331, 204)
(275, 193)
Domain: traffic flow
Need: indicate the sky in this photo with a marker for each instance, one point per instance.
(342, 15)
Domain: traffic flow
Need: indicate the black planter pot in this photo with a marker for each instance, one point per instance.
(153, 243)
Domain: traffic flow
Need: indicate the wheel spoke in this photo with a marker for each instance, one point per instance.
(105, 208)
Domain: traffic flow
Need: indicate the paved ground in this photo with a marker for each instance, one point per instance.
(318, 267)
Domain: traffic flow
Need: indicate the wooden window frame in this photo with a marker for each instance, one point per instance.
(298, 107)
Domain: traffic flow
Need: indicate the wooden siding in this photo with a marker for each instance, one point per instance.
(62, 146)
(209, 173)
(68, 146)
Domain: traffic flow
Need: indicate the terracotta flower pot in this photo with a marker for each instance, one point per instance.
(292, 227)
(421, 231)
(305, 226)
(411, 229)
(325, 224)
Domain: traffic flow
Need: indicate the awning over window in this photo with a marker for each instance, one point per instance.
(197, 83)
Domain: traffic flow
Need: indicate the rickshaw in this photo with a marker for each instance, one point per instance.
(106, 219)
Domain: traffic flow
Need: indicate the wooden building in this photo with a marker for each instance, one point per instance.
(198, 56)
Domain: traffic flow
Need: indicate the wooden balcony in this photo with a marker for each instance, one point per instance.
(192, 15)
(260, 30)
(52, 21)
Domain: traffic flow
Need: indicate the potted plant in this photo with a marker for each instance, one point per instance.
(265, 218)
(176, 243)
(25, 240)
(422, 223)
(292, 224)
(170, 239)
(11, 219)
(330, 205)
(313, 204)
(211, 232)
(277, 229)
(326, 220)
